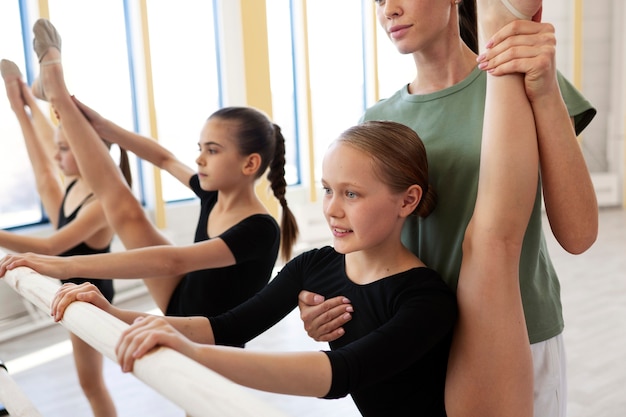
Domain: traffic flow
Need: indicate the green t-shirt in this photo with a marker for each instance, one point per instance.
(450, 124)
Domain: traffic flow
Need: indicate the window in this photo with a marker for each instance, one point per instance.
(337, 81)
(19, 203)
(284, 96)
(185, 75)
(336, 74)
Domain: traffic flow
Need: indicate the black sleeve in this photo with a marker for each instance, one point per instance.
(253, 238)
(246, 321)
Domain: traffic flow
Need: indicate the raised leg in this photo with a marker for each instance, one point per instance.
(123, 211)
(490, 371)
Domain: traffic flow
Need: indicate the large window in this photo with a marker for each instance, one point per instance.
(328, 79)
(96, 69)
(19, 203)
(320, 79)
(185, 73)
(337, 72)
(104, 65)
(282, 78)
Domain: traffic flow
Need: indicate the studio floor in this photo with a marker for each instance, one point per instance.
(594, 298)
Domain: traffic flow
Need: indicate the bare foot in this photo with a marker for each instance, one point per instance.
(12, 82)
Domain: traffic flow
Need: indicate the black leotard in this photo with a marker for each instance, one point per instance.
(104, 285)
(254, 242)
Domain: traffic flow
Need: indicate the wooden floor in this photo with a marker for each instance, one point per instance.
(594, 297)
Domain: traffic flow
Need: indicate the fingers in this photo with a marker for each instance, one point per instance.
(521, 28)
(520, 47)
(90, 114)
(328, 331)
(84, 109)
(323, 321)
(3, 265)
(10, 262)
(141, 337)
(309, 298)
(68, 293)
(60, 301)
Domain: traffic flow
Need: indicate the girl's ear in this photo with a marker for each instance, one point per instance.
(251, 164)
(412, 197)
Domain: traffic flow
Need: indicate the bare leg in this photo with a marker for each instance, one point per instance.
(89, 366)
(123, 211)
(41, 122)
(38, 135)
(19, 96)
(490, 371)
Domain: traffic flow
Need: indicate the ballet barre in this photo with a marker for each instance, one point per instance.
(195, 388)
(13, 399)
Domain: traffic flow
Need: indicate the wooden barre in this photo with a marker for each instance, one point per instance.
(13, 399)
(195, 388)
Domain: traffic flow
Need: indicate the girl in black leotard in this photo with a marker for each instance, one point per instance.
(394, 354)
(237, 240)
(80, 223)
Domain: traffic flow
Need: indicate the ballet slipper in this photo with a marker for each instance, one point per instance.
(494, 14)
(514, 11)
(46, 37)
(12, 82)
(9, 71)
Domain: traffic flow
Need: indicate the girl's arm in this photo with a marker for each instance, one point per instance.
(149, 262)
(301, 373)
(145, 148)
(570, 200)
(89, 221)
(197, 329)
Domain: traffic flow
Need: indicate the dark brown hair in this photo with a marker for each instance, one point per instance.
(257, 134)
(468, 24)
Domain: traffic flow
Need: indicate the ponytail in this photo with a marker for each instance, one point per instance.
(124, 163)
(125, 167)
(276, 176)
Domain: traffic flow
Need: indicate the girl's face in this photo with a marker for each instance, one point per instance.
(219, 164)
(64, 155)
(360, 209)
(417, 25)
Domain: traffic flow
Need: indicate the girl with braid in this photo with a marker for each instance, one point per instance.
(237, 240)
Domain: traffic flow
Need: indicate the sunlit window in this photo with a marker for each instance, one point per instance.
(19, 203)
(335, 74)
(104, 61)
(284, 97)
(185, 74)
